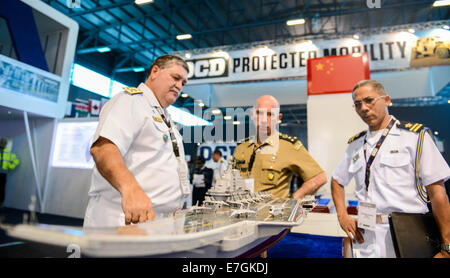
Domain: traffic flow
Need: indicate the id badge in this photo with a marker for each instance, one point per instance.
(250, 184)
(183, 175)
(367, 216)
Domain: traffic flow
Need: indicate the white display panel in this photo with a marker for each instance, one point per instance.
(72, 144)
(27, 88)
(332, 120)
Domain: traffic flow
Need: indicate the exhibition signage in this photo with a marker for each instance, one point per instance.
(396, 50)
(206, 150)
(72, 144)
(33, 79)
(21, 79)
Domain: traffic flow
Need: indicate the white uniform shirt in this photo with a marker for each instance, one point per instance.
(219, 168)
(392, 180)
(134, 125)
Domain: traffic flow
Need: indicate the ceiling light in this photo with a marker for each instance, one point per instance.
(216, 111)
(139, 69)
(188, 55)
(227, 118)
(446, 27)
(184, 37)
(441, 3)
(295, 22)
(356, 37)
(436, 133)
(412, 31)
(201, 104)
(184, 95)
(236, 122)
(140, 2)
(103, 49)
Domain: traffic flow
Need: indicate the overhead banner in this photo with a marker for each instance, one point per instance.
(397, 50)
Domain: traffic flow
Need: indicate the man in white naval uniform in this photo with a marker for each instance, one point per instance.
(140, 170)
(385, 176)
(219, 165)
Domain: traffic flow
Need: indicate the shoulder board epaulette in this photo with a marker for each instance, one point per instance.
(359, 135)
(286, 137)
(133, 91)
(293, 140)
(413, 127)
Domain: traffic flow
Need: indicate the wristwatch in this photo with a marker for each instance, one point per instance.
(446, 247)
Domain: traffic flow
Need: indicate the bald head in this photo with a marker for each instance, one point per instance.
(267, 101)
(266, 116)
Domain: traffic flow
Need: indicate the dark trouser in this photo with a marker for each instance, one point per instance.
(198, 194)
(2, 187)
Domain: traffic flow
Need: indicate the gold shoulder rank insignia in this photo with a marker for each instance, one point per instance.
(359, 135)
(292, 139)
(297, 145)
(133, 91)
(413, 127)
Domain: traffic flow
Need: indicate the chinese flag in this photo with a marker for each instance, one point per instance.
(336, 74)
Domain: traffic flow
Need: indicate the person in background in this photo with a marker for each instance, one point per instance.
(219, 166)
(8, 162)
(202, 182)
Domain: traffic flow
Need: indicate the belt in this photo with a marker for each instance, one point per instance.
(382, 219)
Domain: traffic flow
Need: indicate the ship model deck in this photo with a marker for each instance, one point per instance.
(231, 219)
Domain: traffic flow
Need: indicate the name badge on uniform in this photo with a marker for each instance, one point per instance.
(250, 184)
(367, 216)
(356, 157)
(183, 175)
(165, 138)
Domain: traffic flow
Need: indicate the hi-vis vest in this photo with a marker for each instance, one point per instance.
(8, 160)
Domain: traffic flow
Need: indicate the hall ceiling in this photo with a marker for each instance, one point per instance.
(137, 34)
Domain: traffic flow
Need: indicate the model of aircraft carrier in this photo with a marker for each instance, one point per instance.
(231, 219)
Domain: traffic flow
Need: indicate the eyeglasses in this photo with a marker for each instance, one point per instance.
(369, 101)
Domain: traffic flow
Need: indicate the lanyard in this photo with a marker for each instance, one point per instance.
(252, 158)
(176, 149)
(375, 151)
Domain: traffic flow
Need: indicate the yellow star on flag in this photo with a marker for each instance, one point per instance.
(319, 66)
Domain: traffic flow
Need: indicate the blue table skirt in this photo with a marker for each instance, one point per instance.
(295, 245)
